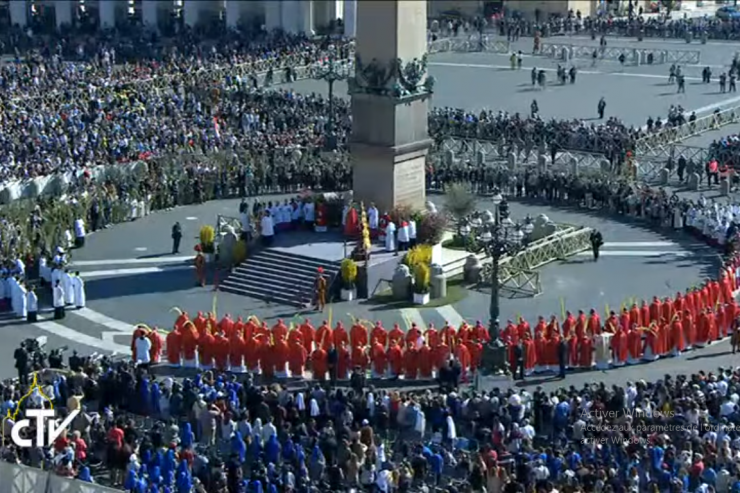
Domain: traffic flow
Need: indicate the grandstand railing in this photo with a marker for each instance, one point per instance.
(651, 142)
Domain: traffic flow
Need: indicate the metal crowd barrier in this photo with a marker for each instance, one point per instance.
(667, 136)
(632, 56)
(485, 153)
(470, 43)
(23, 479)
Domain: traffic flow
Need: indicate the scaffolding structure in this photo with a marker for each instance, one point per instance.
(517, 273)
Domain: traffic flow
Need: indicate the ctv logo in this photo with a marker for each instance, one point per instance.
(45, 419)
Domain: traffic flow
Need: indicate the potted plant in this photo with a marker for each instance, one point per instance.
(422, 275)
(348, 273)
(207, 238)
(430, 230)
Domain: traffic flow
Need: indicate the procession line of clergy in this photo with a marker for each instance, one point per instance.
(251, 345)
(663, 328)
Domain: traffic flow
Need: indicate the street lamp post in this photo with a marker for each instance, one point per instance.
(331, 71)
(496, 235)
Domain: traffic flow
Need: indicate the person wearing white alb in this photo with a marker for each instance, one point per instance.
(79, 226)
(58, 300)
(268, 430)
(78, 286)
(268, 229)
(143, 346)
(32, 306)
(69, 292)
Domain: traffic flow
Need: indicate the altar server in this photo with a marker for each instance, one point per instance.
(69, 293)
(58, 300)
(32, 306)
(390, 237)
(78, 286)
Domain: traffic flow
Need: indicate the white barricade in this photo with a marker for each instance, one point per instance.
(22, 479)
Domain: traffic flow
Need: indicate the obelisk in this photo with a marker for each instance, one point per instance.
(390, 97)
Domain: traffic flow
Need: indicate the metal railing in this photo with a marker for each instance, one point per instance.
(468, 44)
(672, 135)
(632, 56)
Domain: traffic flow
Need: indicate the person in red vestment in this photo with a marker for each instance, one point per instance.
(281, 357)
(594, 323)
(553, 327)
(181, 319)
(395, 359)
(358, 334)
(352, 223)
(678, 303)
(552, 348)
(379, 334)
(447, 335)
(644, 314)
(651, 348)
(624, 319)
(541, 327)
(395, 336)
(382, 225)
(279, 331)
(510, 332)
(689, 332)
(236, 351)
(212, 323)
(619, 347)
(714, 293)
(475, 348)
(410, 363)
(426, 363)
(253, 351)
(319, 363)
(612, 323)
(340, 335)
(379, 359)
(463, 357)
(308, 333)
(157, 342)
(656, 310)
(530, 354)
(713, 329)
(206, 350)
(725, 289)
(569, 324)
(226, 325)
(540, 346)
(702, 330)
(344, 362)
(431, 336)
(634, 345)
(635, 318)
(174, 347)
(521, 329)
(573, 360)
(294, 335)
(412, 336)
(221, 352)
(359, 358)
(668, 311)
(189, 343)
(585, 352)
(324, 337)
(250, 329)
(267, 358)
(677, 342)
(297, 359)
(200, 323)
(720, 317)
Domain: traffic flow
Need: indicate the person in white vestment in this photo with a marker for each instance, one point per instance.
(79, 226)
(309, 214)
(44, 270)
(69, 294)
(13, 285)
(78, 286)
(412, 233)
(58, 300)
(32, 306)
(143, 346)
(268, 229)
(390, 237)
(22, 301)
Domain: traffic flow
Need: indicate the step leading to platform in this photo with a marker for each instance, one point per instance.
(279, 277)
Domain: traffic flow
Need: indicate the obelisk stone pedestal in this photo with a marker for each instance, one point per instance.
(390, 101)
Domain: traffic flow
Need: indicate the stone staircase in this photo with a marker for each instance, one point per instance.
(279, 277)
